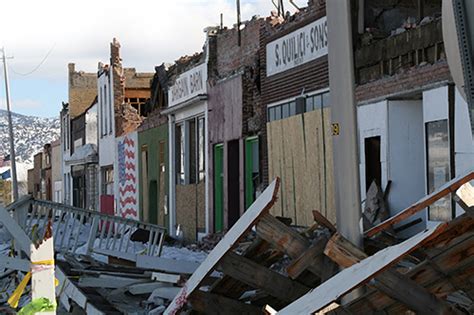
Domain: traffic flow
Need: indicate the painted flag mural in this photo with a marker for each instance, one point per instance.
(127, 167)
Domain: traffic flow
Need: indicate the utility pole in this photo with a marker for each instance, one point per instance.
(10, 128)
(344, 116)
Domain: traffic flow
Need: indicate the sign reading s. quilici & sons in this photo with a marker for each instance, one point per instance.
(301, 46)
(188, 84)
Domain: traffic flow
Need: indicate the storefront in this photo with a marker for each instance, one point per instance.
(187, 123)
(295, 89)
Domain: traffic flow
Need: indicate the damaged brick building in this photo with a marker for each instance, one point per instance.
(122, 95)
(188, 154)
(413, 123)
(237, 147)
(295, 93)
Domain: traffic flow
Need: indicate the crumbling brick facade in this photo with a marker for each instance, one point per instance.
(127, 118)
(82, 90)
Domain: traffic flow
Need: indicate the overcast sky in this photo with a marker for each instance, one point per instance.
(150, 32)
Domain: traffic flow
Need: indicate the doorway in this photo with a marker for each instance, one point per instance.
(373, 165)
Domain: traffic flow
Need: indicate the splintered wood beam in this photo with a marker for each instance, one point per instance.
(312, 255)
(321, 219)
(286, 240)
(449, 187)
(397, 286)
(359, 274)
(465, 198)
(259, 277)
(209, 303)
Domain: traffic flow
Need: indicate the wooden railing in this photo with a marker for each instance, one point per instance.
(87, 231)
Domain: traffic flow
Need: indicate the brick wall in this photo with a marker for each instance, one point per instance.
(127, 119)
(82, 90)
(411, 80)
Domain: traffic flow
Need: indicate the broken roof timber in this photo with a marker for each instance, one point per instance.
(261, 206)
(447, 267)
(358, 274)
(397, 286)
(449, 187)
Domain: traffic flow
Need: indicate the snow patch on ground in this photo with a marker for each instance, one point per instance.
(183, 253)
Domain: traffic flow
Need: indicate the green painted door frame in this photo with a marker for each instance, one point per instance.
(251, 144)
(218, 187)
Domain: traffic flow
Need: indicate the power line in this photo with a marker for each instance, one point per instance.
(38, 66)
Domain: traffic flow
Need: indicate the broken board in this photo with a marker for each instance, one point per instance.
(353, 277)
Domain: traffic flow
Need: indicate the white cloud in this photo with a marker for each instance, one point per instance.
(150, 32)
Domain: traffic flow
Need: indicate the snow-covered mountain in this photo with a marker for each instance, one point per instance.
(31, 134)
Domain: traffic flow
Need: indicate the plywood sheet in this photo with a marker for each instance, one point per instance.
(287, 178)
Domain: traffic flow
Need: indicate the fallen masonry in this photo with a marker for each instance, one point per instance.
(262, 265)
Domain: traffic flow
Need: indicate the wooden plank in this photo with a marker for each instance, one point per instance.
(392, 283)
(21, 239)
(318, 217)
(449, 187)
(111, 282)
(145, 288)
(166, 264)
(312, 177)
(14, 263)
(167, 293)
(285, 239)
(465, 198)
(259, 277)
(358, 274)
(261, 206)
(312, 255)
(166, 277)
(210, 303)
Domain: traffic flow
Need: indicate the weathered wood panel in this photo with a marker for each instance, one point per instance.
(300, 152)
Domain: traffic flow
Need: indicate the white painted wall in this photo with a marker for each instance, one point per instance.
(107, 142)
(372, 122)
(406, 166)
(91, 125)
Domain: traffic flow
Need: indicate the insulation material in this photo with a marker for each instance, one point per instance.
(300, 152)
(127, 175)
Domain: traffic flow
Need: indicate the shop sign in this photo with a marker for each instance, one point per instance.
(299, 47)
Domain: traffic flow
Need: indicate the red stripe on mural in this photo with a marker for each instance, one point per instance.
(130, 166)
(128, 200)
(127, 188)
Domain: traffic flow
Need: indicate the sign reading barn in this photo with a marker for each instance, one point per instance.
(188, 85)
(301, 46)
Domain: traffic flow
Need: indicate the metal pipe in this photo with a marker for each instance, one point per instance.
(10, 129)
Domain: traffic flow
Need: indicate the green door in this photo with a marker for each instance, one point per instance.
(218, 187)
(252, 172)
